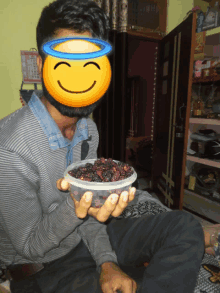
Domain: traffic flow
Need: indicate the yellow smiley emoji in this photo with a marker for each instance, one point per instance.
(77, 83)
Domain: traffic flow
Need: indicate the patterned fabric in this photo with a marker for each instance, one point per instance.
(123, 16)
(217, 249)
(143, 208)
(119, 15)
(209, 275)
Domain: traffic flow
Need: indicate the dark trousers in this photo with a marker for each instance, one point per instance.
(172, 243)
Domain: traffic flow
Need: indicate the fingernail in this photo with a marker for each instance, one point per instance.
(88, 196)
(113, 198)
(133, 189)
(125, 195)
(64, 184)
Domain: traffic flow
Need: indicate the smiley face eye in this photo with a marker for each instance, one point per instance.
(61, 63)
(94, 63)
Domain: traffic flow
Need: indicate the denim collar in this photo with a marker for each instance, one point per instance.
(50, 128)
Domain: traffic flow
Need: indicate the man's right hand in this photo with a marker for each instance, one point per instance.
(82, 206)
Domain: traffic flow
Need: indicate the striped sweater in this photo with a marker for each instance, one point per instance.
(37, 221)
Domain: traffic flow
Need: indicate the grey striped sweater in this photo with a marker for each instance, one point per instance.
(38, 222)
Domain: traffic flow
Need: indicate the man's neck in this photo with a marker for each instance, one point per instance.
(66, 124)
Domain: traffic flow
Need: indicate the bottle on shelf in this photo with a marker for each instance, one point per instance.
(198, 107)
(209, 103)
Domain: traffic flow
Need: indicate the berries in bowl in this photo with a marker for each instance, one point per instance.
(100, 176)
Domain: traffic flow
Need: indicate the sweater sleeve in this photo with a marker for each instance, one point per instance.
(32, 231)
(95, 236)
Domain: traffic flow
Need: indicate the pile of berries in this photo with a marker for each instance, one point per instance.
(103, 170)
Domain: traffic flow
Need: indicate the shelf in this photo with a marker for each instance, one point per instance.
(204, 121)
(144, 34)
(207, 79)
(208, 162)
(201, 205)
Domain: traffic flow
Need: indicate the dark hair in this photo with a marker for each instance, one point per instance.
(77, 15)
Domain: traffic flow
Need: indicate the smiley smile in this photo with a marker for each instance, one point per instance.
(72, 92)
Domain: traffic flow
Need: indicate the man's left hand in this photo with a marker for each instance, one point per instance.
(112, 278)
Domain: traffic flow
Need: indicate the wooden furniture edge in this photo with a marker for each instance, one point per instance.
(188, 111)
(202, 205)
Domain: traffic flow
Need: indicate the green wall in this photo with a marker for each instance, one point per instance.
(176, 11)
(18, 20)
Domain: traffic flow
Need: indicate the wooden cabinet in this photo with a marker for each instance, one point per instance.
(172, 111)
(173, 125)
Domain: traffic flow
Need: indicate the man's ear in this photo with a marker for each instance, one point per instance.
(39, 65)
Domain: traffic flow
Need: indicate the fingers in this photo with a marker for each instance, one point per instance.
(102, 214)
(134, 287)
(62, 184)
(122, 204)
(125, 198)
(82, 206)
(107, 289)
(128, 286)
(59, 183)
(132, 193)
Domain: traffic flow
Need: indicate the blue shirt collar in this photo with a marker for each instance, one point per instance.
(50, 128)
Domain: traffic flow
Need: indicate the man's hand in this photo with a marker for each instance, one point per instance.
(113, 206)
(112, 278)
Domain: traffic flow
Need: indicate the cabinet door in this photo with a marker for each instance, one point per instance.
(172, 110)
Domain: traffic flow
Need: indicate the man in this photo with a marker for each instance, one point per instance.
(49, 241)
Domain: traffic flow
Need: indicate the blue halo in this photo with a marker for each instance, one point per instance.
(105, 49)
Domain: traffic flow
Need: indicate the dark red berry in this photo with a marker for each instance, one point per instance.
(103, 170)
(89, 166)
(116, 176)
(72, 173)
(103, 160)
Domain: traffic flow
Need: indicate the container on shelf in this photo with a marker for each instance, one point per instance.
(212, 17)
(198, 107)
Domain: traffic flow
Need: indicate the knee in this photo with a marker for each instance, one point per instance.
(184, 217)
(187, 222)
